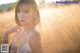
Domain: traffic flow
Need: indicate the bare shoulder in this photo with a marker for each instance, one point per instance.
(35, 33)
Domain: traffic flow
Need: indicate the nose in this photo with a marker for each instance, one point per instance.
(20, 15)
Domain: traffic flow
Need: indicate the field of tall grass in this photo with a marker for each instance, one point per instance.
(61, 26)
(6, 21)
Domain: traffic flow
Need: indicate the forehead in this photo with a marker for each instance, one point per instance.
(24, 7)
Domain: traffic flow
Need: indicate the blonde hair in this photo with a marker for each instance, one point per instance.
(33, 5)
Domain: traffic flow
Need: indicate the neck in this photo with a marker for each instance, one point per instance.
(28, 27)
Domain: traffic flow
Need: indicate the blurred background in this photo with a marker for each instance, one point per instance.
(52, 14)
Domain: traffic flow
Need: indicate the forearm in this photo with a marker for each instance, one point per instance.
(9, 31)
(5, 38)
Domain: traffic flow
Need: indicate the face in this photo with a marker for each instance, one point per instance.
(25, 14)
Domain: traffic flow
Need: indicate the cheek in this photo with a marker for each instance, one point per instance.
(29, 17)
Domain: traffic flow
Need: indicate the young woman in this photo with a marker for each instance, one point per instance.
(27, 38)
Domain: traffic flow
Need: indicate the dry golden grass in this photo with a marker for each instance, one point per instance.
(61, 27)
(6, 20)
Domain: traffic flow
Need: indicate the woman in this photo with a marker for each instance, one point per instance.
(27, 38)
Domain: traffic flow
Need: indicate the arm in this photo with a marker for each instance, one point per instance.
(11, 29)
(35, 43)
(5, 38)
(8, 31)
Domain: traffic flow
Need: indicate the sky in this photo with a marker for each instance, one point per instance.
(7, 1)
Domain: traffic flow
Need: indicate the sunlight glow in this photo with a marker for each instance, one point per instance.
(48, 1)
(37, 1)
